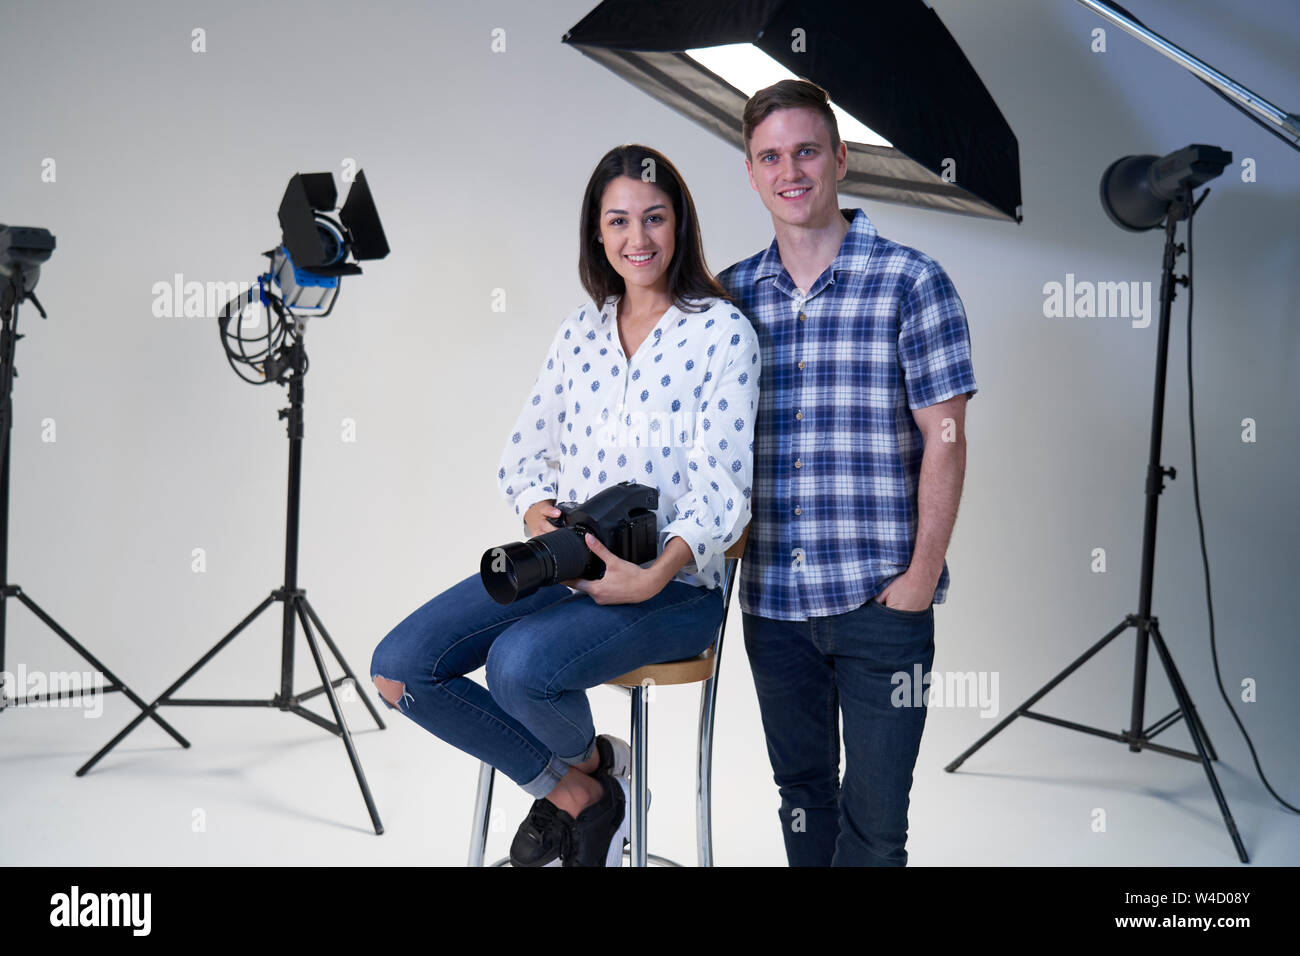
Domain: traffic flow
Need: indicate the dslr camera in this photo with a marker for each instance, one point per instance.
(622, 517)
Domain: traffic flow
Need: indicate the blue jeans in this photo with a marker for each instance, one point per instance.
(532, 721)
(809, 672)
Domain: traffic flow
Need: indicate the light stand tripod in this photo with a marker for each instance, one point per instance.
(295, 606)
(1147, 626)
(8, 343)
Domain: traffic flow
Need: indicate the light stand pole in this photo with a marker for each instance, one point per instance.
(288, 370)
(1148, 628)
(8, 344)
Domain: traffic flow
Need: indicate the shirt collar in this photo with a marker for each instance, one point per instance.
(609, 311)
(855, 250)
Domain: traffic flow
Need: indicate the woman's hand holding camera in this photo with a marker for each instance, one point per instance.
(622, 583)
(535, 517)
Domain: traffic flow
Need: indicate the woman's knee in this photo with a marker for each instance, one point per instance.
(388, 672)
(512, 671)
(390, 690)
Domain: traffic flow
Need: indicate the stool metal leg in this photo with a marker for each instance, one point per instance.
(704, 753)
(640, 720)
(482, 814)
(704, 774)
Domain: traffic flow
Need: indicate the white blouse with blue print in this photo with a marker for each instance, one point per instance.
(678, 416)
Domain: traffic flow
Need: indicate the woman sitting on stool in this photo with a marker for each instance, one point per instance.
(653, 380)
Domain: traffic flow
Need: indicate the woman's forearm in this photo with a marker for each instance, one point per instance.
(673, 558)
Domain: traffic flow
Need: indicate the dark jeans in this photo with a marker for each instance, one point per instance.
(532, 721)
(809, 672)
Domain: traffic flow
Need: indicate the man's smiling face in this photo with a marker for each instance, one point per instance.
(793, 168)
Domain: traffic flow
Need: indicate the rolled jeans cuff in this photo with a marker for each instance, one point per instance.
(542, 784)
(584, 756)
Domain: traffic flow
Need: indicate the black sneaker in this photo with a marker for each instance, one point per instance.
(541, 836)
(597, 836)
(539, 839)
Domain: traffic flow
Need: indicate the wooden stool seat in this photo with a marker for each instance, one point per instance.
(690, 671)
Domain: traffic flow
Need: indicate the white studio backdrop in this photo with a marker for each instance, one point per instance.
(169, 161)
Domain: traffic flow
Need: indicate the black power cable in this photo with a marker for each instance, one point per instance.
(1200, 523)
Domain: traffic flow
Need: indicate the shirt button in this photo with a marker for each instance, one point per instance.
(799, 415)
(801, 364)
(798, 511)
(802, 316)
(798, 463)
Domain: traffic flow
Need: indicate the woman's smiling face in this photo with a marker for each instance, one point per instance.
(638, 229)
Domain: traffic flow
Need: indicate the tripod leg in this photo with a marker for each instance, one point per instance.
(316, 719)
(1194, 728)
(1176, 678)
(338, 712)
(365, 698)
(1079, 662)
(94, 662)
(162, 698)
(1204, 736)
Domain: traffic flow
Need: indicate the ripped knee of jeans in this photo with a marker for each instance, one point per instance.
(392, 692)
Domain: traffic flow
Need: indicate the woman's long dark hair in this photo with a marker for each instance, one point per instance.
(689, 277)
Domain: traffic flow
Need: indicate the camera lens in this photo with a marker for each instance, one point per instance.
(516, 570)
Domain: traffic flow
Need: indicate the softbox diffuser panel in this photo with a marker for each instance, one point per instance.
(889, 63)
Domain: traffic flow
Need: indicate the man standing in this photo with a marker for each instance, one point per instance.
(859, 456)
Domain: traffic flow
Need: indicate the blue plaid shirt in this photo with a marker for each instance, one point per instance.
(837, 454)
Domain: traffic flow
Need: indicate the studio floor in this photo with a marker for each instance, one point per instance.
(264, 788)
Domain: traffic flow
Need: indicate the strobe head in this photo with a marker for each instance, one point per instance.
(22, 251)
(1137, 191)
(316, 243)
(621, 517)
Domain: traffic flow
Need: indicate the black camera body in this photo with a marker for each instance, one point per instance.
(622, 518)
